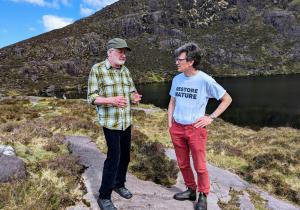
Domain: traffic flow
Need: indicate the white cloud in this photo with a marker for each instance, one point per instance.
(31, 29)
(85, 11)
(54, 22)
(41, 3)
(66, 2)
(98, 4)
(44, 3)
(37, 2)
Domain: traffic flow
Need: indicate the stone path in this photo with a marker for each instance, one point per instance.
(150, 196)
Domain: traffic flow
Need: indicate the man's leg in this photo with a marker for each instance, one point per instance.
(197, 143)
(125, 143)
(111, 163)
(183, 158)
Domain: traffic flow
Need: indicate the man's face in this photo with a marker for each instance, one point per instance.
(117, 56)
(182, 64)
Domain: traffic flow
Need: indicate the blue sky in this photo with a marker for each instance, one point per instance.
(22, 19)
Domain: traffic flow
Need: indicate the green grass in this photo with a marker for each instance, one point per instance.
(295, 2)
(267, 157)
(53, 173)
(258, 202)
(233, 203)
(37, 131)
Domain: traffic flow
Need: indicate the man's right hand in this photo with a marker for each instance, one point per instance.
(118, 101)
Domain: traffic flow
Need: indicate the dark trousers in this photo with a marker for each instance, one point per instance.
(117, 160)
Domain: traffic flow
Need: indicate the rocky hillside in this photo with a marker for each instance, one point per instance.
(238, 37)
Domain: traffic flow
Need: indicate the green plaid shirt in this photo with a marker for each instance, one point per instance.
(106, 81)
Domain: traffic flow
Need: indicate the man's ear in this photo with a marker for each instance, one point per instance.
(108, 52)
(191, 62)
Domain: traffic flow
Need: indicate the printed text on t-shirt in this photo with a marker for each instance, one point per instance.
(186, 92)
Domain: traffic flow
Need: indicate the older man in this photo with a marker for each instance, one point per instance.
(190, 92)
(111, 89)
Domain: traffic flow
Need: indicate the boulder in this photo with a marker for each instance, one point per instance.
(71, 67)
(284, 21)
(11, 168)
(50, 91)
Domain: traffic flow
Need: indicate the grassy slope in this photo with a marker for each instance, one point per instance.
(267, 157)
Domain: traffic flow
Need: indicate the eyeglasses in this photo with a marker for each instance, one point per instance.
(180, 59)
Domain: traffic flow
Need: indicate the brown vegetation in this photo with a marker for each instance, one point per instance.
(266, 156)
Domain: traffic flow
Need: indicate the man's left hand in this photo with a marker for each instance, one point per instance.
(203, 121)
(136, 98)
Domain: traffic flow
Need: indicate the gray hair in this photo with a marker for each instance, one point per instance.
(193, 53)
(108, 51)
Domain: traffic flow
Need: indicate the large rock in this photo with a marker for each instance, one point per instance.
(284, 21)
(11, 168)
(148, 195)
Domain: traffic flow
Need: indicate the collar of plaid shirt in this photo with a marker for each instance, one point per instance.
(108, 66)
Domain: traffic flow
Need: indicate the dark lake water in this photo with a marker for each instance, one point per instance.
(257, 101)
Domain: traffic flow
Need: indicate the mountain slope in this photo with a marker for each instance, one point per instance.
(238, 37)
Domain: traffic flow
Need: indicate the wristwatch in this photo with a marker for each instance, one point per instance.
(212, 116)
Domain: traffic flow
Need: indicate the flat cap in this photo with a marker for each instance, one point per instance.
(117, 43)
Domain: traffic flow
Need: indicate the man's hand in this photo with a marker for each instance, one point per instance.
(118, 101)
(203, 121)
(136, 98)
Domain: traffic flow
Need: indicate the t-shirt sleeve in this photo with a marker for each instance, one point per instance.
(214, 90)
(172, 90)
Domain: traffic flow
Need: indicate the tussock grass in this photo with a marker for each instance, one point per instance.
(258, 202)
(153, 124)
(53, 174)
(233, 203)
(146, 155)
(267, 157)
(45, 190)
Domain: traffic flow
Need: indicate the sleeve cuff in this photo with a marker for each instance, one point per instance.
(91, 98)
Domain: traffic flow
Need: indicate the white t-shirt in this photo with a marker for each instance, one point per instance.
(191, 96)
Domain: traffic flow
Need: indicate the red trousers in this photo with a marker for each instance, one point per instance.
(186, 139)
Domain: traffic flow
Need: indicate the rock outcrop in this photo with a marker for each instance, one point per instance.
(148, 195)
(238, 37)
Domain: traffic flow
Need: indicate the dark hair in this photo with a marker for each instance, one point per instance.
(192, 51)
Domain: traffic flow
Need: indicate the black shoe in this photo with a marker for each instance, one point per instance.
(123, 192)
(189, 194)
(106, 204)
(202, 202)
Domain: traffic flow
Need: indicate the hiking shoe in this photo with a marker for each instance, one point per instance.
(123, 192)
(189, 194)
(202, 202)
(106, 204)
